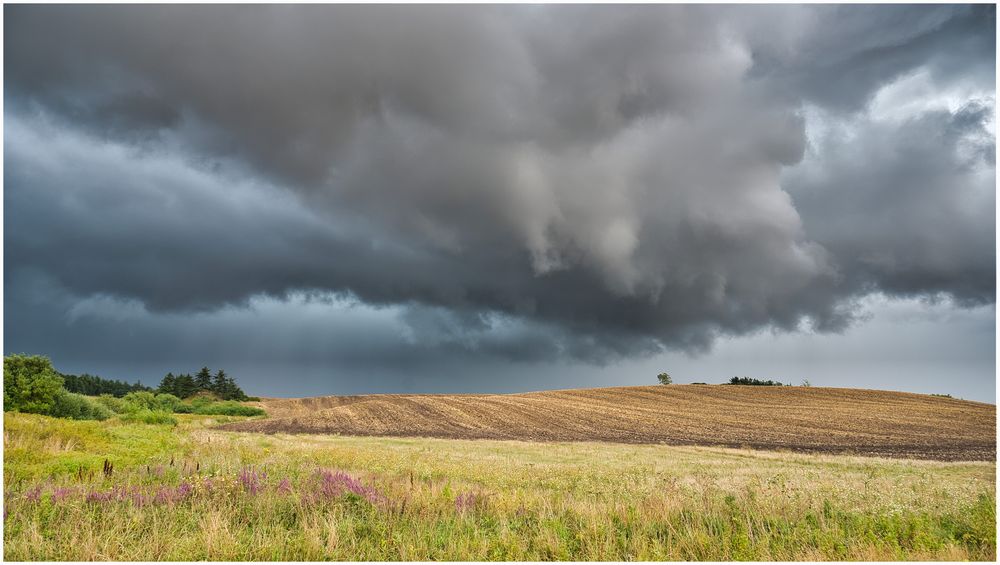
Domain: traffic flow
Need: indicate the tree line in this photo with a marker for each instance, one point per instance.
(185, 385)
(92, 385)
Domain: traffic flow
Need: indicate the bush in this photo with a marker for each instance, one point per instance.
(30, 384)
(202, 399)
(167, 402)
(183, 408)
(141, 400)
(752, 382)
(112, 403)
(78, 407)
(146, 416)
(228, 408)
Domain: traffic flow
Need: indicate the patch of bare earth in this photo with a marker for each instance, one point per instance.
(809, 419)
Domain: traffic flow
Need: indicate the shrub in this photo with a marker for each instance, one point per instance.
(146, 416)
(752, 382)
(202, 399)
(112, 403)
(78, 407)
(141, 400)
(30, 384)
(167, 402)
(228, 408)
(183, 408)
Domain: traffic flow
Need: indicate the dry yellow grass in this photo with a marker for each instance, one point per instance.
(810, 419)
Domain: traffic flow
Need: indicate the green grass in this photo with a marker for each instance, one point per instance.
(582, 501)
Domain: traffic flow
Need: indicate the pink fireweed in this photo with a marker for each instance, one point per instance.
(251, 480)
(333, 485)
(62, 493)
(285, 486)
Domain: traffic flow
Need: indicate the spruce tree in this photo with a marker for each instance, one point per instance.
(186, 386)
(204, 379)
(169, 385)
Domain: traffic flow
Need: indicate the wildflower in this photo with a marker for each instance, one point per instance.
(62, 493)
(336, 484)
(34, 494)
(98, 497)
(164, 495)
(184, 490)
(285, 486)
(465, 502)
(251, 480)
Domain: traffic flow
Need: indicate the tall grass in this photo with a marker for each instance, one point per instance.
(191, 493)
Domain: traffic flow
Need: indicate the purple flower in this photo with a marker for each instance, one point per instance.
(285, 486)
(465, 502)
(336, 484)
(251, 480)
(184, 490)
(98, 497)
(165, 495)
(33, 494)
(62, 493)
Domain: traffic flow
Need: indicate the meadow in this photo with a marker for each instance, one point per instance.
(114, 490)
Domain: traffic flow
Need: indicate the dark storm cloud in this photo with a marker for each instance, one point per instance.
(588, 180)
(906, 208)
(839, 56)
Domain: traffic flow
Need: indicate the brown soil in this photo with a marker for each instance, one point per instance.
(813, 419)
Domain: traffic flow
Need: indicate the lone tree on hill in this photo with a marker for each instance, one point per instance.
(664, 379)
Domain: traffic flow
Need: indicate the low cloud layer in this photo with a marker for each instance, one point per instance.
(518, 182)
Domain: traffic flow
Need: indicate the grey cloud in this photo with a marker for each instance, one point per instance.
(591, 181)
(908, 208)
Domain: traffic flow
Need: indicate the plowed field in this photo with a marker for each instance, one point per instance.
(809, 419)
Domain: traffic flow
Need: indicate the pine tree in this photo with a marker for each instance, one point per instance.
(204, 379)
(186, 386)
(219, 383)
(169, 384)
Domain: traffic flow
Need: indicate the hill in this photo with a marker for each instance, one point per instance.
(808, 419)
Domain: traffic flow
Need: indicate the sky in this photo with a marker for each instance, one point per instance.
(367, 199)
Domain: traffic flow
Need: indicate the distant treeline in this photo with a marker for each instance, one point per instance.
(182, 386)
(92, 385)
(753, 382)
(220, 384)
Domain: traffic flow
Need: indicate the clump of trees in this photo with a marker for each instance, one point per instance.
(32, 385)
(664, 379)
(185, 386)
(752, 382)
(93, 385)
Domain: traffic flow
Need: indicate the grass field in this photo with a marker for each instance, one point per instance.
(194, 492)
(808, 419)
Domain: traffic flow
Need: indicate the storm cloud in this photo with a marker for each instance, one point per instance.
(512, 182)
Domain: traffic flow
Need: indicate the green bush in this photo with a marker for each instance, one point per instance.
(201, 400)
(113, 403)
(30, 384)
(146, 416)
(78, 407)
(167, 402)
(228, 408)
(141, 400)
(183, 408)
(752, 382)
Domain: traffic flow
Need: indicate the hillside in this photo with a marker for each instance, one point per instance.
(813, 419)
